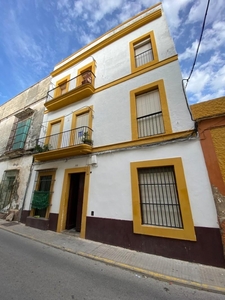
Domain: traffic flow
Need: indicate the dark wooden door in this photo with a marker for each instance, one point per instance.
(75, 201)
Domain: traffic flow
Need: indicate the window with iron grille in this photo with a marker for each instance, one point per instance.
(143, 52)
(149, 114)
(8, 188)
(42, 194)
(159, 197)
(20, 130)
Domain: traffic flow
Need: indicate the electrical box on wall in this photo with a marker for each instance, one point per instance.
(93, 160)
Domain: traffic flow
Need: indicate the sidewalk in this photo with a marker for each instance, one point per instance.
(176, 271)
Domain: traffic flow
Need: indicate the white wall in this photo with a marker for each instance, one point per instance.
(110, 183)
(111, 117)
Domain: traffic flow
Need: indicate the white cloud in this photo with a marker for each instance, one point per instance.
(213, 38)
(208, 81)
(215, 11)
(173, 9)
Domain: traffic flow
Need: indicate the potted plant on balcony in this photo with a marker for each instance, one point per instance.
(86, 139)
(42, 148)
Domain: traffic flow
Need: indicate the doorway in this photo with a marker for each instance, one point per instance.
(75, 202)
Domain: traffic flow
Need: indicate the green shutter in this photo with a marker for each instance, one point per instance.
(21, 134)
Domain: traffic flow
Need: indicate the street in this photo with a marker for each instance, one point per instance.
(31, 270)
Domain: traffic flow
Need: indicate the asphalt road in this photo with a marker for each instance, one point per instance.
(30, 270)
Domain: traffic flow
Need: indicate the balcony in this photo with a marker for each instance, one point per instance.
(64, 144)
(71, 91)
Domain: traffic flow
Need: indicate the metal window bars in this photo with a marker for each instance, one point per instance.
(159, 200)
(150, 124)
(144, 57)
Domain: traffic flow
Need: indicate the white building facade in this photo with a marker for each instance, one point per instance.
(118, 158)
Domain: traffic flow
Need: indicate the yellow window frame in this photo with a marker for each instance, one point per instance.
(132, 44)
(159, 85)
(45, 173)
(59, 83)
(88, 67)
(49, 129)
(188, 231)
(88, 110)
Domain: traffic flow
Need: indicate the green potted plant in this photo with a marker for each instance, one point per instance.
(43, 148)
(86, 139)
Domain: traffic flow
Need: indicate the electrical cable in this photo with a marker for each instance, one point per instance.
(199, 43)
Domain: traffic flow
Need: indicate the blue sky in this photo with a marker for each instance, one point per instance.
(37, 34)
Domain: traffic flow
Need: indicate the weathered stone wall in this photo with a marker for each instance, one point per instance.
(34, 97)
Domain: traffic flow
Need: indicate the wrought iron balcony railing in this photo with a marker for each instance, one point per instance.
(84, 78)
(65, 139)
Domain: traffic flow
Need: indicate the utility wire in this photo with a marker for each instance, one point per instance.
(203, 26)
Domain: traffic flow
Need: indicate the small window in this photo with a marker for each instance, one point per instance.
(54, 134)
(149, 111)
(159, 198)
(20, 130)
(81, 127)
(62, 86)
(86, 74)
(8, 188)
(42, 194)
(149, 114)
(143, 52)
(21, 134)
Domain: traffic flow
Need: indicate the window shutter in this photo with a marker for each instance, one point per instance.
(149, 114)
(143, 52)
(54, 138)
(82, 122)
(21, 134)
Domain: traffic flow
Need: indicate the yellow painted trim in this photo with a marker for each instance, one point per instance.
(48, 133)
(74, 119)
(165, 110)
(151, 36)
(144, 141)
(188, 232)
(64, 199)
(115, 82)
(73, 96)
(60, 82)
(66, 152)
(45, 173)
(91, 67)
(124, 31)
(160, 276)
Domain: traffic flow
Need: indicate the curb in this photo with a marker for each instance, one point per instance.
(155, 275)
